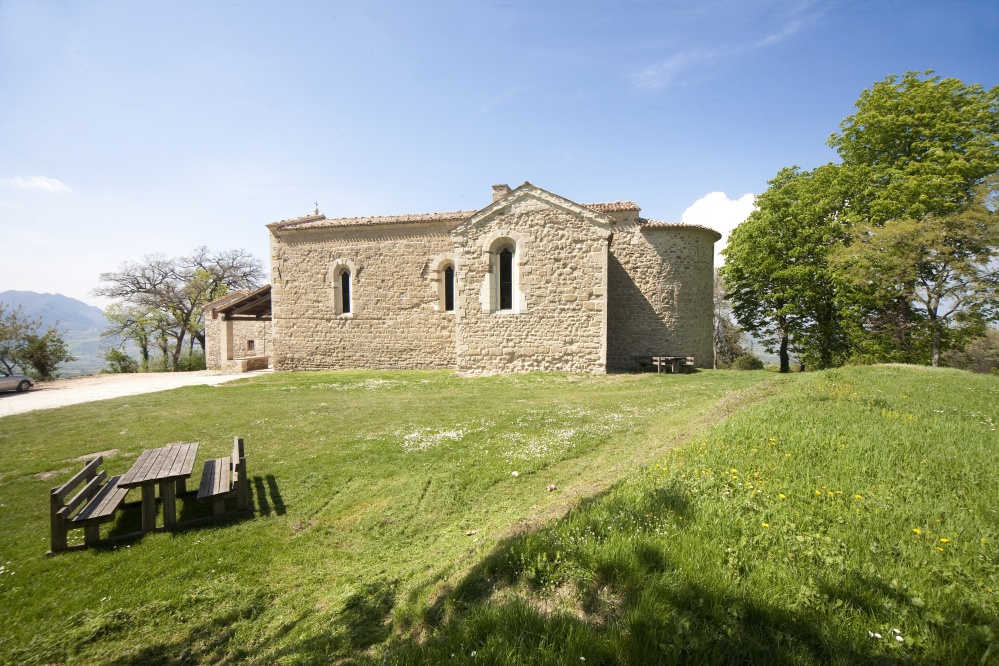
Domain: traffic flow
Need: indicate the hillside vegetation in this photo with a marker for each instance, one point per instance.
(846, 516)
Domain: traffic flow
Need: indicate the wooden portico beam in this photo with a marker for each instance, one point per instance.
(260, 300)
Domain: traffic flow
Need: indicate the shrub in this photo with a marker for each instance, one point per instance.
(748, 361)
(195, 361)
(119, 362)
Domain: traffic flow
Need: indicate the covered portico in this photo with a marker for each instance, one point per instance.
(252, 307)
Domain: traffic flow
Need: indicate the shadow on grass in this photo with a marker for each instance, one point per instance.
(635, 604)
(363, 621)
(260, 495)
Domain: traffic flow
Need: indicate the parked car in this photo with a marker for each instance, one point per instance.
(9, 382)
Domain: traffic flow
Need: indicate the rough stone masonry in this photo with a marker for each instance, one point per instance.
(532, 281)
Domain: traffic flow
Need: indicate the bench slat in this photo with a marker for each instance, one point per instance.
(207, 479)
(105, 503)
(87, 473)
(88, 491)
(223, 479)
(215, 478)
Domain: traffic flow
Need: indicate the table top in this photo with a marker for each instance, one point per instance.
(165, 464)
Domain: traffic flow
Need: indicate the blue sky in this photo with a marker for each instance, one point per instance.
(128, 128)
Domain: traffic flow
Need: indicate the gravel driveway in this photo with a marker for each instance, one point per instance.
(63, 392)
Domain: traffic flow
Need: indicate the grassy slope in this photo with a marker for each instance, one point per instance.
(851, 519)
(364, 485)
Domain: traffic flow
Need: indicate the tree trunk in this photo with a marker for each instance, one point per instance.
(936, 340)
(785, 361)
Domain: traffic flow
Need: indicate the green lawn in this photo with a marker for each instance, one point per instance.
(850, 519)
(364, 485)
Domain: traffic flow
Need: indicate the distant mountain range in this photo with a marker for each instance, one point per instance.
(80, 319)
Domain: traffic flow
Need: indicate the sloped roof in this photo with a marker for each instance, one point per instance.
(254, 305)
(322, 222)
(613, 207)
(657, 224)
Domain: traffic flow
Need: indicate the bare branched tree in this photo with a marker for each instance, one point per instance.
(174, 291)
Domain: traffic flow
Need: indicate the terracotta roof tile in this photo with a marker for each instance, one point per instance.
(657, 224)
(322, 222)
(613, 207)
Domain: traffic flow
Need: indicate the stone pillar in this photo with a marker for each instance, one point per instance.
(225, 354)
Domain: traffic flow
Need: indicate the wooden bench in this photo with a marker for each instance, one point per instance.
(102, 501)
(223, 478)
(688, 365)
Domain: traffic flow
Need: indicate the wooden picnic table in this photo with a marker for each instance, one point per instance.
(168, 466)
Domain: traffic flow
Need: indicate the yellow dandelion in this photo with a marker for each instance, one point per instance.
(766, 524)
(782, 496)
(859, 496)
(917, 530)
(839, 492)
(940, 549)
(734, 470)
(818, 492)
(945, 540)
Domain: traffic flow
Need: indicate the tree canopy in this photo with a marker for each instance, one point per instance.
(918, 146)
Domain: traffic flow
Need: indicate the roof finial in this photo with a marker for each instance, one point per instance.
(316, 211)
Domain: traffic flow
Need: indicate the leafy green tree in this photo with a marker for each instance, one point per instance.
(940, 265)
(777, 272)
(15, 327)
(130, 323)
(41, 355)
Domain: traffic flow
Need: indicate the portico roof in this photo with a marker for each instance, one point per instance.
(255, 306)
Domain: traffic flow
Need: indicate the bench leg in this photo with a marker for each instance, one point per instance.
(58, 531)
(218, 507)
(148, 507)
(167, 489)
(181, 487)
(91, 534)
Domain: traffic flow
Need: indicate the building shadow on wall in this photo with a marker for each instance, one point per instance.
(635, 330)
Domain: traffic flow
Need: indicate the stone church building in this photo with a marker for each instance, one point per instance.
(533, 281)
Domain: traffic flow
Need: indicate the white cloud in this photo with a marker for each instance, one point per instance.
(658, 76)
(722, 214)
(661, 75)
(37, 183)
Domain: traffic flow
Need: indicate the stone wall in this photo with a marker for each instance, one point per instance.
(394, 322)
(660, 285)
(558, 320)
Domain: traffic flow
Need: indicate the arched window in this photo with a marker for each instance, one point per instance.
(449, 289)
(345, 292)
(506, 279)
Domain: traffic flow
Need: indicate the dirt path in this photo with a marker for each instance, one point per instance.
(63, 392)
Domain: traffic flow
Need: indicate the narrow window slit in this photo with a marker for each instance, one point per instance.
(345, 291)
(506, 280)
(449, 288)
